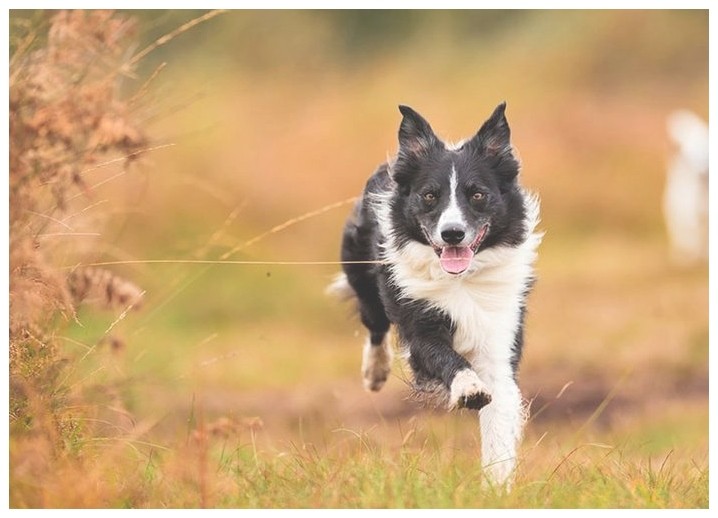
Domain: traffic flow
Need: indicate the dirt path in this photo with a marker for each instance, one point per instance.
(601, 402)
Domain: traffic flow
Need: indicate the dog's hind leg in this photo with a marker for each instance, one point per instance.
(376, 364)
(377, 355)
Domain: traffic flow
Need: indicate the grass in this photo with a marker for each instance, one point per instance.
(374, 479)
(238, 386)
(419, 465)
(220, 433)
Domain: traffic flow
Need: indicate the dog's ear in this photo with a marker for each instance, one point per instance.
(493, 141)
(494, 137)
(416, 137)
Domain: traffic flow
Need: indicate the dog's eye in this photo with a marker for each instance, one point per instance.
(430, 197)
(477, 196)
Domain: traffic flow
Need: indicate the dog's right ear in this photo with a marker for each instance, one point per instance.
(416, 138)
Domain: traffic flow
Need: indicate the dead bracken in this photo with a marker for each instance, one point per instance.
(68, 113)
(101, 286)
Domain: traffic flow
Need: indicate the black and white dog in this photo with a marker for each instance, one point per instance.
(452, 234)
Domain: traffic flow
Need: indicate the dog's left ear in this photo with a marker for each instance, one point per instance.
(494, 137)
(494, 142)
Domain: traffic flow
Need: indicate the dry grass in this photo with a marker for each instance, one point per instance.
(69, 115)
(65, 116)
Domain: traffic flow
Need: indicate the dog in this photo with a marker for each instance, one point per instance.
(441, 246)
(685, 198)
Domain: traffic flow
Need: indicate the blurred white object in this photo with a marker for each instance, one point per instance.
(685, 202)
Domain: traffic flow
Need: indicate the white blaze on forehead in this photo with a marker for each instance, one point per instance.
(452, 215)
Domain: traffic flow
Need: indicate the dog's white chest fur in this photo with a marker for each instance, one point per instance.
(484, 303)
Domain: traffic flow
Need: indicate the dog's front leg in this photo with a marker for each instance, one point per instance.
(501, 425)
(429, 337)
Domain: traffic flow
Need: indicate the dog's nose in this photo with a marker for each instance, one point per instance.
(453, 235)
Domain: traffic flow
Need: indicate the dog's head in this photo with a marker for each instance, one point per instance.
(460, 199)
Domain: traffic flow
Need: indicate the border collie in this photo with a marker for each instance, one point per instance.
(441, 245)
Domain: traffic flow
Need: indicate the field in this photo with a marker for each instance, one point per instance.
(217, 384)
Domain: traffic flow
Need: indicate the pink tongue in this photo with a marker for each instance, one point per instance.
(455, 259)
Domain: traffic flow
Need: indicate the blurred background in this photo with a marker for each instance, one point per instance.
(272, 115)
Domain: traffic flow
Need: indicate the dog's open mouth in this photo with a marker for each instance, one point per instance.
(457, 259)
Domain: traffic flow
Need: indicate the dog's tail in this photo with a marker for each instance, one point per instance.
(340, 288)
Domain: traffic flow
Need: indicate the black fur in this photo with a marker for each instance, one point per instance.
(484, 164)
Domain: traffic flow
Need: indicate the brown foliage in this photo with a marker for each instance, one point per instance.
(103, 287)
(67, 114)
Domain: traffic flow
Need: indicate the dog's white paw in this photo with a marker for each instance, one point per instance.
(376, 365)
(468, 391)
